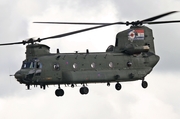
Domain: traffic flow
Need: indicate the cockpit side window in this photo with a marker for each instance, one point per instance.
(38, 65)
(31, 65)
(27, 65)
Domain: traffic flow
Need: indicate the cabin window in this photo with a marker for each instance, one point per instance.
(56, 66)
(75, 66)
(93, 65)
(129, 64)
(110, 64)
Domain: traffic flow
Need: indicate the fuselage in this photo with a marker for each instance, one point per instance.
(75, 68)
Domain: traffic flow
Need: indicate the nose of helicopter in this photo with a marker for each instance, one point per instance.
(18, 75)
(24, 76)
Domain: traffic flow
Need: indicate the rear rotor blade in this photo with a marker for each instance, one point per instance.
(77, 23)
(164, 22)
(74, 23)
(78, 31)
(158, 16)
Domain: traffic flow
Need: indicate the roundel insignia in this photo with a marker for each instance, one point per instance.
(136, 34)
(131, 35)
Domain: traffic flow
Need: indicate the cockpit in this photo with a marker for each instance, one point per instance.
(31, 64)
(30, 68)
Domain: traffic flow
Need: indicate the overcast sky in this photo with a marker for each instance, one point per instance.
(159, 100)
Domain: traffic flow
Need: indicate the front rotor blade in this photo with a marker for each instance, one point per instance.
(158, 16)
(15, 43)
(79, 31)
(164, 22)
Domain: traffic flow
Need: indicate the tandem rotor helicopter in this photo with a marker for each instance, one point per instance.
(131, 58)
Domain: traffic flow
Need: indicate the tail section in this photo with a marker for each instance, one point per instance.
(135, 40)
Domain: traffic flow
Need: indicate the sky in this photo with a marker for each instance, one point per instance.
(159, 100)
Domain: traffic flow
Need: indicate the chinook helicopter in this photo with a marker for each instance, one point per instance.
(131, 58)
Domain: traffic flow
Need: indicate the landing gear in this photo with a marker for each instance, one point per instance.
(84, 90)
(118, 86)
(72, 85)
(144, 84)
(108, 84)
(59, 92)
(28, 86)
(43, 86)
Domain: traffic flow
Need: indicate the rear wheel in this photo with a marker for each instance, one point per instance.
(118, 86)
(59, 92)
(84, 90)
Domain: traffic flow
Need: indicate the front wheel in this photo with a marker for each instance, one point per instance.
(144, 84)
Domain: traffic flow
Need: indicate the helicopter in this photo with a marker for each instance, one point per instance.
(132, 58)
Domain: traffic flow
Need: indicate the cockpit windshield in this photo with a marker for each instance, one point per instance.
(31, 64)
(27, 65)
